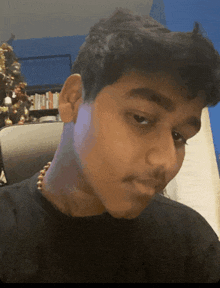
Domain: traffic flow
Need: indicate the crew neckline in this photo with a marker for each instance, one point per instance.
(51, 209)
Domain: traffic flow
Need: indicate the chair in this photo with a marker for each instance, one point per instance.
(25, 149)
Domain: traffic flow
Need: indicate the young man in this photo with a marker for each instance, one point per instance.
(135, 97)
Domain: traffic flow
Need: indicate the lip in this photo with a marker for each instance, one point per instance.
(145, 187)
(147, 182)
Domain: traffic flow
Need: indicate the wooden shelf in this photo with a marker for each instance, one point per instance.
(42, 89)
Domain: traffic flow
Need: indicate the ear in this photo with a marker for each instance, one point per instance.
(70, 98)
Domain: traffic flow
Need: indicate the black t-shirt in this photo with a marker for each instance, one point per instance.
(168, 242)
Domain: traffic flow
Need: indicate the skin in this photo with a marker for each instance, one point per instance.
(107, 147)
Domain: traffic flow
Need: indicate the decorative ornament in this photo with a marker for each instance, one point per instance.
(26, 112)
(16, 94)
(8, 122)
(21, 121)
(3, 109)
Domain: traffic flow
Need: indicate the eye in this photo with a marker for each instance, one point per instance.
(141, 119)
(179, 138)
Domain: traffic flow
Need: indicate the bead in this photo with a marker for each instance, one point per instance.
(42, 172)
(40, 177)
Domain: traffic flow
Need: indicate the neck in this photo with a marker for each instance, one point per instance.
(65, 186)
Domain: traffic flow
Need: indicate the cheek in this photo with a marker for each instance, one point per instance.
(110, 156)
(117, 144)
(113, 137)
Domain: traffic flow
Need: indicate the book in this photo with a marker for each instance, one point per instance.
(37, 101)
(55, 100)
(43, 101)
(50, 100)
(47, 100)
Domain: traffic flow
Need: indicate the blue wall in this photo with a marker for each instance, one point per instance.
(48, 46)
(53, 72)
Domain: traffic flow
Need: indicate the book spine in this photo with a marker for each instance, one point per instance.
(47, 100)
(50, 100)
(43, 102)
(39, 102)
(35, 101)
(55, 100)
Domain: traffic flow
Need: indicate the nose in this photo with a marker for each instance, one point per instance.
(161, 156)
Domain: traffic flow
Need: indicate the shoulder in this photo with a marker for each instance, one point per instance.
(16, 195)
(190, 235)
(15, 206)
(21, 212)
(174, 209)
(18, 202)
(180, 216)
(21, 230)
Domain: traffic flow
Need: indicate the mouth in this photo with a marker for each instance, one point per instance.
(148, 187)
(138, 194)
(145, 187)
(140, 189)
(147, 182)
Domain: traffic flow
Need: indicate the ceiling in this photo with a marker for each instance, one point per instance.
(28, 19)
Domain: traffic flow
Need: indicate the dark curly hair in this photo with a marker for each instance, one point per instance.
(125, 40)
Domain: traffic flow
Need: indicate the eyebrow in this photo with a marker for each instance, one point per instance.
(151, 95)
(161, 100)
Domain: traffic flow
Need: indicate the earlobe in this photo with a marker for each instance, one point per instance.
(70, 98)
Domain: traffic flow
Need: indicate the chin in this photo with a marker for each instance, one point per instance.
(127, 209)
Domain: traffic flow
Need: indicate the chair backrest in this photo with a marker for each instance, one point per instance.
(25, 149)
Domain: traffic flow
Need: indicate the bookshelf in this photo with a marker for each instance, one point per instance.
(45, 100)
(41, 89)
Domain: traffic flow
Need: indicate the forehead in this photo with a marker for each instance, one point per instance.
(161, 87)
(171, 85)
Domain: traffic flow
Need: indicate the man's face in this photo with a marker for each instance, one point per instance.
(131, 140)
